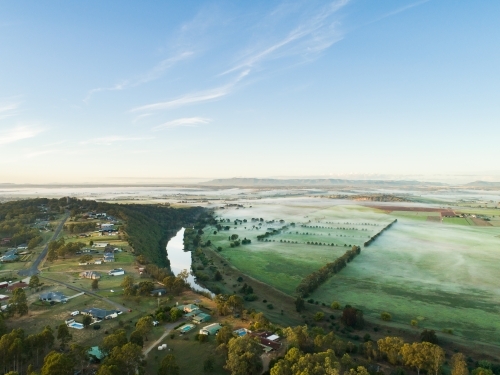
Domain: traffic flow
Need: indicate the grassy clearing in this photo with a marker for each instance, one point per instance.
(427, 270)
(456, 221)
(279, 261)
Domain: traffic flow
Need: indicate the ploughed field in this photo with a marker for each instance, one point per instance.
(428, 266)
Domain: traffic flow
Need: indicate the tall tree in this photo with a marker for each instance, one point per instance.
(136, 338)
(20, 301)
(95, 284)
(390, 346)
(80, 354)
(57, 364)
(117, 339)
(414, 356)
(34, 282)
(169, 366)
(435, 355)
(63, 334)
(144, 326)
(128, 358)
(128, 285)
(459, 365)
(243, 356)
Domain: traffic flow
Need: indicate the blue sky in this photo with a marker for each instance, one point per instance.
(112, 91)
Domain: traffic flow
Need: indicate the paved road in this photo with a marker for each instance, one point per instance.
(33, 270)
(116, 305)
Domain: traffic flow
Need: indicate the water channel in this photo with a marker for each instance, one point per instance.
(181, 260)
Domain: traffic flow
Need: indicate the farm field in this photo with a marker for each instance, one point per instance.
(442, 271)
(444, 276)
(320, 235)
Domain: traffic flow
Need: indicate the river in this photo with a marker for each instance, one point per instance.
(181, 260)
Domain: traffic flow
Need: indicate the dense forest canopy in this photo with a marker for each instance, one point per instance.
(148, 227)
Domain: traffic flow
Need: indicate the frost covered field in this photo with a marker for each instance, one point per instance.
(446, 276)
(423, 268)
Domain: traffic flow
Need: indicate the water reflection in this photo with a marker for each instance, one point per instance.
(181, 260)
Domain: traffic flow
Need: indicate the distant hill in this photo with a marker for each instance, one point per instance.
(314, 182)
(483, 184)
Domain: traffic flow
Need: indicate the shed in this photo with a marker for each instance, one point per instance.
(211, 329)
(201, 317)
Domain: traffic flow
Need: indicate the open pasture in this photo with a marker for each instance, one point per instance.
(320, 234)
(446, 276)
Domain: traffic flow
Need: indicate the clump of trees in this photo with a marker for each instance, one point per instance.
(59, 248)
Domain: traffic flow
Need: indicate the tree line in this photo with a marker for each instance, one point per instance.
(374, 237)
(312, 281)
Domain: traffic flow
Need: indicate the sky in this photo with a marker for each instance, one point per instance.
(127, 91)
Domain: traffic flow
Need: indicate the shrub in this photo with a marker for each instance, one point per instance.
(385, 316)
(251, 297)
(270, 306)
(414, 323)
(335, 305)
(319, 316)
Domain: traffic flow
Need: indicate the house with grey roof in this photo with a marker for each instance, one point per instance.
(53, 296)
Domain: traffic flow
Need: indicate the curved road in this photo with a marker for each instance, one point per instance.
(86, 291)
(33, 270)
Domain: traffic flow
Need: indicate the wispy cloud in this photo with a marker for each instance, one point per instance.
(186, 121)
(109, 140)
(8, 109)
(311, 36)
(197, 97)
(117, 87)
(153, 74)
(19, 133)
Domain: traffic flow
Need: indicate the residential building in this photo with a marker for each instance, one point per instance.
(116, 272)
(201, 318)
(100, 314)
(53, 296)
(90, 275)
(211, 329)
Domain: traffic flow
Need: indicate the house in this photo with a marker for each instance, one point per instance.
(100, 244)
(268, 340)
(4, 284)
(53, 296)
(201, 318)
(98, 261)
(116, 272)
(100, 314)
(22, 247)
(158, 292)
(211, 329)
(17, 285)
(9, 256)
(188, 308)
(109, 257)
(3, 297)
(90, 275)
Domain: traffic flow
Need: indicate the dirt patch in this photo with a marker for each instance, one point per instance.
(436, 219)
(481, 222)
